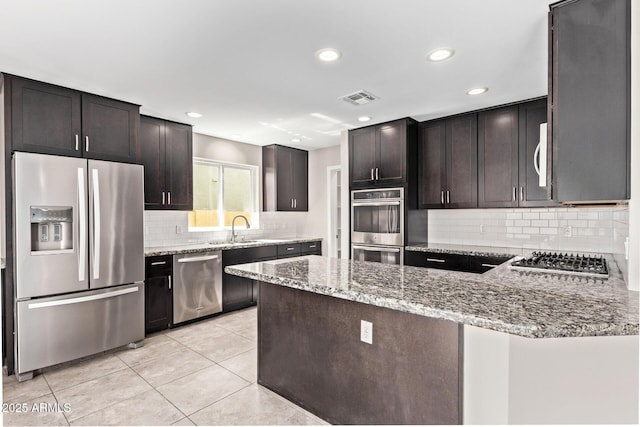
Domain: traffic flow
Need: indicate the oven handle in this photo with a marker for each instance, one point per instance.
(375, 249)
(390, 203)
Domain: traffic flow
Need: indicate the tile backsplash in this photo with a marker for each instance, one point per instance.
(162, 228)
(576, 229)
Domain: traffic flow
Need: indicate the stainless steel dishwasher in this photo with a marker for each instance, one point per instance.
(197, 287)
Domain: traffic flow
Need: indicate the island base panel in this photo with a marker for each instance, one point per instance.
(310, 352)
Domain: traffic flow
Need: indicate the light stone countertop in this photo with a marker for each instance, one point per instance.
(223, 246)
(534, 305)
(466, 249)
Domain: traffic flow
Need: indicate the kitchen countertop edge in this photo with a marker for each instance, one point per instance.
(530, 329)
(206, 247)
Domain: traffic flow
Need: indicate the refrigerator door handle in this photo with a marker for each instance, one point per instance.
(83, 299)
(96, 224)
(82, 226)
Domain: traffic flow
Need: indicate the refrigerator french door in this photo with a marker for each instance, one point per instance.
(79, 258)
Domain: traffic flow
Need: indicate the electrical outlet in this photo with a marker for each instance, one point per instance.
(481, 228)
(366, 332)
(568, 231)
(178, 229)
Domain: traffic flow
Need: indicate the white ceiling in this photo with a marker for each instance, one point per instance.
(249, 67)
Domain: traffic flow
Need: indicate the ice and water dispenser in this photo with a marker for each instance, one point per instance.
(51, 228)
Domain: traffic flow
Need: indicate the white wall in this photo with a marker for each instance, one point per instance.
(510, 379)
(634, 204)
(161, 227)
(314, 223)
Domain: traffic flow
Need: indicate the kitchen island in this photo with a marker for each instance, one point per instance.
(447, 347)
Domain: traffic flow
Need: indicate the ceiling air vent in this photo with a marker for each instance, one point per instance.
(359, 98)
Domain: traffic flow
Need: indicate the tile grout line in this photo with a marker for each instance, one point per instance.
(56, 399)
(96, 378)
(220, 400)
(115, 403)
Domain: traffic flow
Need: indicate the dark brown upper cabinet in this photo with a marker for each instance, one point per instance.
(498, 157)
(530, 116)
(110, 129)
(166, 153)
(589, 64)
(285, 179)
(448, 162)
(509, 152)
(380, 155)
(51, 119)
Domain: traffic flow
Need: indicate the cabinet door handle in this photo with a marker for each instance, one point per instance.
(442, 197)
(77, 142)
(372, 178)
(448, 197)
(290, 249)
(159, 263)
(295, 203)
(377, 174)
(489, 265)
(291, 203)
(168, 197)
(515, 193)
(169, 282)
(86, 143)
(522, 193)
(435, 260)
(312, 246)
(163, 197)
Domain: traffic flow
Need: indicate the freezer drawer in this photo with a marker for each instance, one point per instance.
(197, 285)
(59, 329)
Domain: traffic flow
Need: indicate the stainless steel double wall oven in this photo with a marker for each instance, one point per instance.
(377, 225)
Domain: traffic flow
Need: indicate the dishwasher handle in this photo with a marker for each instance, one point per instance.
(198, 258)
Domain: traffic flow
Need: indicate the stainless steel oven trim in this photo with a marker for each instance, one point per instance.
(388, 239)
(393, 249)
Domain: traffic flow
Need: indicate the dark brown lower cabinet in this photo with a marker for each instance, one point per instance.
(443, 261)
(455, 262)
(158, 293)
(309, 351)
(239, 292)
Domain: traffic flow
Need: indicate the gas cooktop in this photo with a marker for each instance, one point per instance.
(563, 263)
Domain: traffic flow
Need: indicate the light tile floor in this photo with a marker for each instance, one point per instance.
(200, 374)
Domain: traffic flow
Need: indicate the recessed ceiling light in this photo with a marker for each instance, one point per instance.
(193, 114)
(328, 55)
(364, 118)
(295, 139)
(477, 90)
(440, 54)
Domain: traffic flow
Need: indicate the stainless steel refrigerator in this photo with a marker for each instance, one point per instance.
(79, 258)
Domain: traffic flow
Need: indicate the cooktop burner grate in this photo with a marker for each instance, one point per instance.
(569, 263)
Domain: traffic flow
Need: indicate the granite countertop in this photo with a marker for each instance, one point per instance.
(534, 305)
(466, 249)
(223, 246)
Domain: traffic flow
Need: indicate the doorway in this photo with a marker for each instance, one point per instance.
(334, 212)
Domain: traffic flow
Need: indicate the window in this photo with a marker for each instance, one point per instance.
(220, 192)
